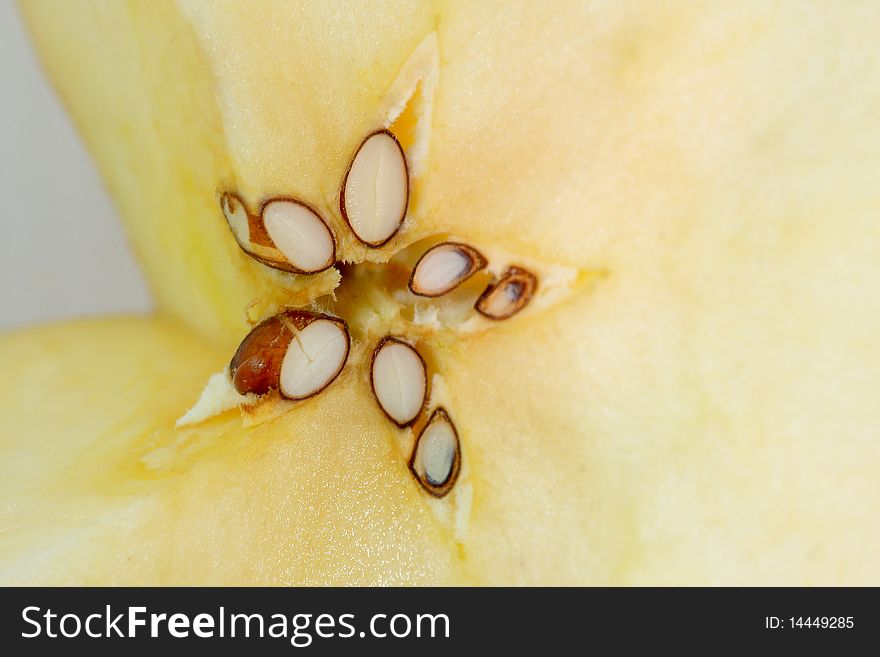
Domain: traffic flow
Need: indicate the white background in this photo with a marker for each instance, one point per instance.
(63, 253)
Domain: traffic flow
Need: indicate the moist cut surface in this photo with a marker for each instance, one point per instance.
(585, 296)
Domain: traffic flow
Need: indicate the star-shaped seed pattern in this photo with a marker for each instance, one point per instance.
(298, 353)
